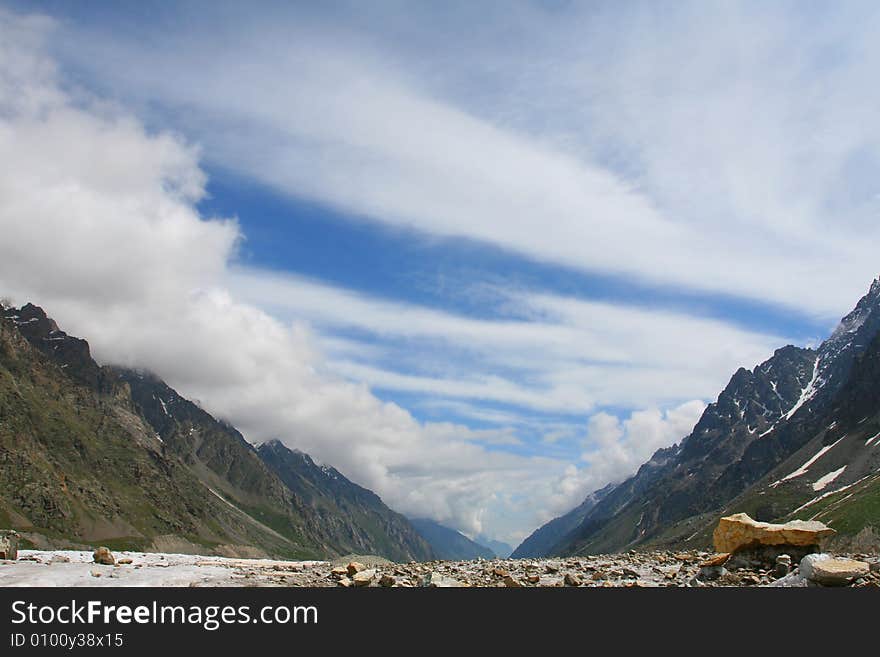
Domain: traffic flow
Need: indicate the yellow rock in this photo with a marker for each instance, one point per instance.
(740, 531)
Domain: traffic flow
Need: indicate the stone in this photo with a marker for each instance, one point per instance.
(739, 531)
(104, 556)
(354, 567)
(436, 580)
(124, 562)
(59, 558)
(551, 568)
(571, 580)
(9, 544)
(345, 582)
(709, 573)
(339, 571)
(782, 566)
(364, 577)
(832, 571)
(511, 582)
(387, 580)
(500, 572)
(533, 579)
(717, 560)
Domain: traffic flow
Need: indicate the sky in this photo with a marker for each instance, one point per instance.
(484, 258)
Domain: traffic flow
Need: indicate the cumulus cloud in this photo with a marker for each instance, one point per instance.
(100, 227)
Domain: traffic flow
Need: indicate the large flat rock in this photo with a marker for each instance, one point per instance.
(832, 571)
(739, 532)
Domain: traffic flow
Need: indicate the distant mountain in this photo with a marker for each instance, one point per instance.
(449, 544)
(747, 451)
(500, 549)
(99, 454)
(542, 541)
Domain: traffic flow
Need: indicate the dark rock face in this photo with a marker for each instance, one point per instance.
(89, 452)
(763, 418)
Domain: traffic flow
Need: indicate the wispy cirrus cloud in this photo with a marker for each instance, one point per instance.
(607, 146)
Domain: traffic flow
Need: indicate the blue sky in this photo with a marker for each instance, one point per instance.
(526, 241)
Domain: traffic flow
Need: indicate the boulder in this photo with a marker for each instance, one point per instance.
(387, 580)
(571, 580)
(717, 560)
(436, 580)
(9, 544)
(104, 556)
(832, 571)
(364, 577)
(782, 566)
(511, 582)
(739, 531)
(355, 567)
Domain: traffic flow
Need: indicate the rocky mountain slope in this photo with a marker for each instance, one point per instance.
(448, 543)
(91, 453)
(353, 517)
(747, 450)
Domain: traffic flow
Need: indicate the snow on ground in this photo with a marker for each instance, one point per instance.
(823, 481)
(803, 469)
(76, 568)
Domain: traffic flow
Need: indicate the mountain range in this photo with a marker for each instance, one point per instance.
(105, 454)
(796, 437)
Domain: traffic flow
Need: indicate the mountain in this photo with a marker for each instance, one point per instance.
(354, 516)
(771, 420)
(499, 549)
(449, 544)
(542, 541)
(101, 454)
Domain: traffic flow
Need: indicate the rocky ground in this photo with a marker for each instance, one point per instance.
(632, 569)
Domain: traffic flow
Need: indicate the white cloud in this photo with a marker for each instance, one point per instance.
(743, 169)
(99, 226)
(564, 355)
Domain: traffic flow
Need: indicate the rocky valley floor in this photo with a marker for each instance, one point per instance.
(634, 569)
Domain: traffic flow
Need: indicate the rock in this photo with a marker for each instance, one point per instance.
(500, 572)
(551, 568)
(511, 582)
(124, 562)
(59, 558)
(364, 577)
(344, 582)
(436, 580)
(96, 573)
(571, 580)
(717, 560)
(9, 544)
(782, 567)
(104, 556)
(832, 571)
(387, 580)
(339, 571)
(739, 531)
(354, 567)
(709, 573)
(533, 579)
